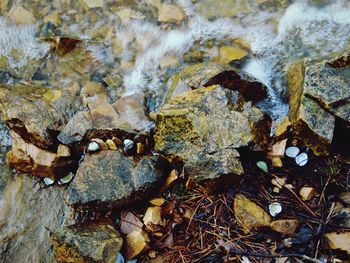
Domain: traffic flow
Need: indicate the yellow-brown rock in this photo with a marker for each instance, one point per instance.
(230, 53)
(249, 215)
(285, 226)
(339, 241)
(170, 13)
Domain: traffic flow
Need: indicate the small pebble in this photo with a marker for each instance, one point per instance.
(275, 209)
(48, 181)
(302, 159)
(93, 147)
(128, 145)
(292, 151)
(67, 179)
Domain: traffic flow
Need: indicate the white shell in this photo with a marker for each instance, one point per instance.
(275, 209)
(66, 179)
(128, 145)
(292, 151)
(48, 181)
(302, 159)
(93, 147)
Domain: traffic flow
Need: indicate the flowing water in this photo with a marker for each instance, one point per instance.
(125, 41)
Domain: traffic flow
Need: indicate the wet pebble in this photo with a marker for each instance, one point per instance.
(48, 181)
(93, 147)
(292, 151)
(275, 209)
(67, 179)
(128, 145)
(302, 159)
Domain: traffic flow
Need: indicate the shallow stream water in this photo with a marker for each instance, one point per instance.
(124, 41)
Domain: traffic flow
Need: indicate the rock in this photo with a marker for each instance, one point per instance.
(37, 114)
(111, 144)
(20, 15)
(153, 217)
(220, 8)
(280, 127)
(88, 243)
(170, 13)
(76, 128)
(277, 162)
(207, 74)
(230, 53)
(101, 144)
(169, 61)
(136, 242)
(307, 193)
(339, 241)
(285, 226)
(28, 158)
(249, 215)
(345, 197)
(279, 148)
(108, 179)
(319, 94)
(63, 150)
(92, 3)
(131, 112)
(26, 214)
(201, 128)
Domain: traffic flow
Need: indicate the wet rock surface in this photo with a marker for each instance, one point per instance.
(204, 129)
(319, 95)
(38, 114)
(92, 243)
(108, 180)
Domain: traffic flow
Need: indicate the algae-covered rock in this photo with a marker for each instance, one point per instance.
(203, 129)
(95, 243)
(37, 114)
(319, 94)
(108, 179)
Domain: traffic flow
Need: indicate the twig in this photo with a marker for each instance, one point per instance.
(252, 254)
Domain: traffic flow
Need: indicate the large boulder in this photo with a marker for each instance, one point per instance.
(319, 96)
(95, 243)
(204, 127)
(108, 179)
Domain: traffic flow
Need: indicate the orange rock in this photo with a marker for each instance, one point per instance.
(285, 226)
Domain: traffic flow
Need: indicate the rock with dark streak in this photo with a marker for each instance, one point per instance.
(37, 114)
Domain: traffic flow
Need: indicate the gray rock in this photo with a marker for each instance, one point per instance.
(37, 114)
(204, 129)
(108, 179)
(76, 128)
(95, 243)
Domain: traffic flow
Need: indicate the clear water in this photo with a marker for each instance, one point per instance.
(277, 31)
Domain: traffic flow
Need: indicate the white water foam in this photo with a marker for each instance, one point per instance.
(304, 30)
(20, 38)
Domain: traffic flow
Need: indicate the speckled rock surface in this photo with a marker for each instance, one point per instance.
(108, 179)
(95, 243)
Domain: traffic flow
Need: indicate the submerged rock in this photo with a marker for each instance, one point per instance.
(207, 74)
(204, 129)
(37, 114)
(93, 243)
(108, 179)
(319, 95)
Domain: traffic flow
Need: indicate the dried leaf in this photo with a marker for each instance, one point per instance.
(136, 242)
(158, 201)
(129, 223)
